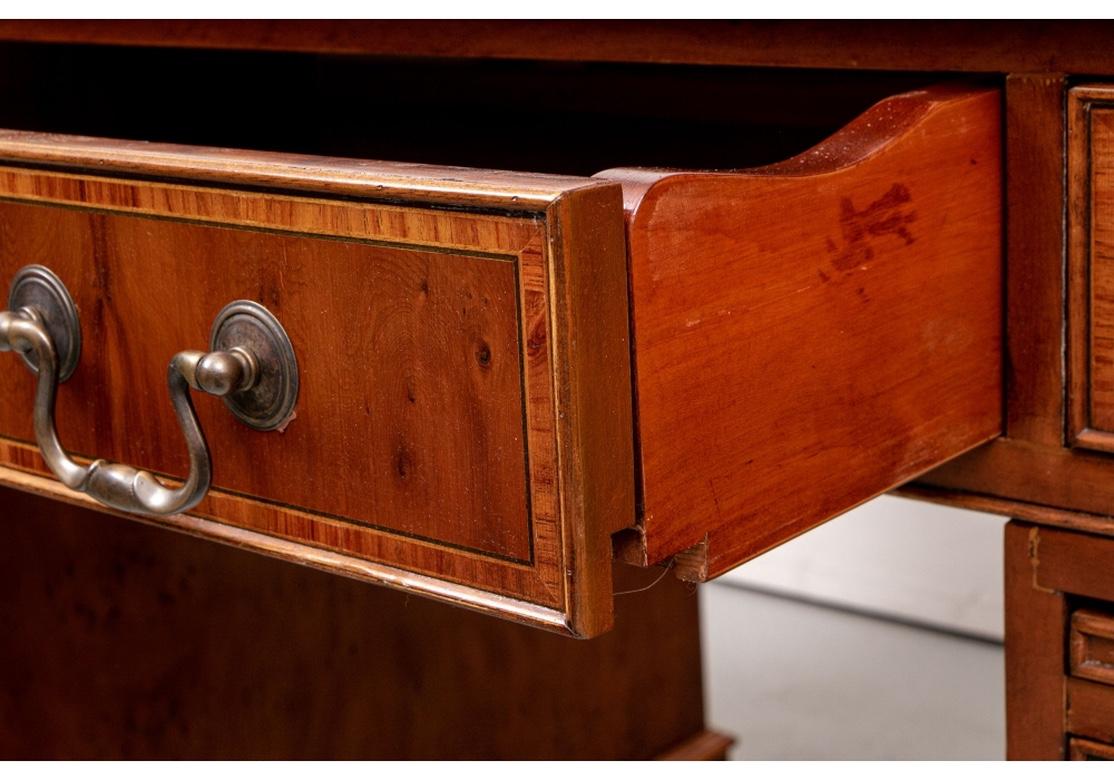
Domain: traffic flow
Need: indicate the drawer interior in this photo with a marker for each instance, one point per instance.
(568, 118)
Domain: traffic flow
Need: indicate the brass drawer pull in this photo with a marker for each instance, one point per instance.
(251, 366)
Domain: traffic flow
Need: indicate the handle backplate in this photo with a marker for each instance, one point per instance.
(36, 290)
(268, 403)
(251, 366)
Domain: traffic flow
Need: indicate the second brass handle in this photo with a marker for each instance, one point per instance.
(254, 371)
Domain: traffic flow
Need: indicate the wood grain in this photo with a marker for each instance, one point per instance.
(1048, 570)
(333, 562)
(1050, 365)
(123, 641)
(378, 179)
(1034, 263)
(1091, 284)
(1021, 510)
(413, 394)
(973, 46)
(813, 333)
(1073, 563)
(1101, 258)
(457, 415)
(1035, 622)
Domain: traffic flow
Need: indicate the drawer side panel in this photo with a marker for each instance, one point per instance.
(814, 333)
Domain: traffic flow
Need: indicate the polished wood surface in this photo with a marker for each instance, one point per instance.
(1091, 284)
(1035, 235)
(763, 301)
(1070, 519)
(975, 46)
(126, 641)
(805, 428)
(1050, 375)
(392, 344)
(464, 375)
(1036, 618)
(713, 479)
(1092, 645)
(382, 180)
(1091, 710)
(1071, 480)
(1049, 693)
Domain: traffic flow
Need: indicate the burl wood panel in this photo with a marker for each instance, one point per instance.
(121, 641)
(813, 333)
(411, 415)
(464, 374)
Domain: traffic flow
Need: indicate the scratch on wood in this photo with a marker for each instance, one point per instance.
(1035, 559)
(691, 565)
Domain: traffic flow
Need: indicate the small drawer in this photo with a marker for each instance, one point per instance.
(1090, 710)
(1088, 750)
(1092, 646)
(505, 377)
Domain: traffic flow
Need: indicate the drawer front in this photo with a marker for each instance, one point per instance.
(1090, 710)
(1091, 268)
(1092, 646)
(458, 430)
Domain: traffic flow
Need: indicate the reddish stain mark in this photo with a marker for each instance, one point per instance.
(885, 216)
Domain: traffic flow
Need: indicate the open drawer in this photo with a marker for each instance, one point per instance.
(503, 376)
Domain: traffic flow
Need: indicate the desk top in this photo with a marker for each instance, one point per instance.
(987, 47)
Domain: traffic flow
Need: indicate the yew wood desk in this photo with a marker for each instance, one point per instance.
(519, 318)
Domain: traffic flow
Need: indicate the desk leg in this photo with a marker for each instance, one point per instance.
(1035, 623)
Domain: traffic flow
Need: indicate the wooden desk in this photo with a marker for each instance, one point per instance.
(699, 288)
